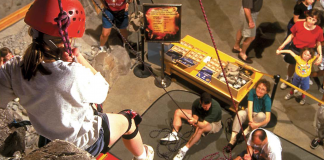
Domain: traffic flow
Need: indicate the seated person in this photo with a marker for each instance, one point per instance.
(257, 113)
(262, 145)
(205, 116)
(5, 54)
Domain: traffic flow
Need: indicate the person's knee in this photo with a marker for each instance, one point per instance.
(105, 34)
(131, 129)
(260, 116)
(250, 39)
(132, 132)
(133, 120)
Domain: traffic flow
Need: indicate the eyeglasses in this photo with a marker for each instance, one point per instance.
(261, 89)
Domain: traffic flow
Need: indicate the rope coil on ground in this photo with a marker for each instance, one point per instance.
(177, 145)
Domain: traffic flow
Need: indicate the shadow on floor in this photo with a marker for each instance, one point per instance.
(265, 36)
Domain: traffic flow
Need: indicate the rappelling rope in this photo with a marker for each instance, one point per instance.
(63, 22)
(228, 87)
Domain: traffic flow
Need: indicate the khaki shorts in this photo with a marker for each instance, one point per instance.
(215, 127)
(246, 31)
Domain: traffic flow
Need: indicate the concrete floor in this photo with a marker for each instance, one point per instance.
(295, 122)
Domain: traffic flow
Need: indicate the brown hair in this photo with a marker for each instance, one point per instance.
(265, 82)
(4, 51)
(311, 51)
(34, 56)
(313, 13)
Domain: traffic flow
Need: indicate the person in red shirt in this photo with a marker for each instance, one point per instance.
(6, 54)
(303, 34)
(117, 11)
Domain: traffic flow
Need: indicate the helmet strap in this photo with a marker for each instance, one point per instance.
(47, 39)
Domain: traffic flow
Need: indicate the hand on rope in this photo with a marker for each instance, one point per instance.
(67, 58)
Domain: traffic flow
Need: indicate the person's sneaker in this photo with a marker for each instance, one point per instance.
(102, 49)
(315, 142)
(310, 82)
(149, 153)
(288, 96)
(229, 148)
(179, 155)
(321, 89)
(283, 86)
(302, 101)
(169, 139)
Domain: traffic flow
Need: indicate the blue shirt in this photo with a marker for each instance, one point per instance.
(260, 104)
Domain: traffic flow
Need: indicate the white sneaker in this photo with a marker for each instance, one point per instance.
(283, 85)
(321, 89)
(16, 99)
(302, 101)
(310, 82)
(169, 139)
(288, 96)
(102, 49)
(149, 153)
(179, 155)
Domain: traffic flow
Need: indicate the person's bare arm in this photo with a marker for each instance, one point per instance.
(248, 16)
(250, 110)
(296, 18)
(1, 61)
(319, 51)
(286, 51)
(289, 38)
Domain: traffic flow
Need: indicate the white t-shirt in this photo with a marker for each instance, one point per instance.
(271, 150)
(57, 104)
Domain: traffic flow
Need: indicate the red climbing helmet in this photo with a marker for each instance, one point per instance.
(42, 13)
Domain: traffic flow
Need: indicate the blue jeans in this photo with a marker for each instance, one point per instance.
(303, 82)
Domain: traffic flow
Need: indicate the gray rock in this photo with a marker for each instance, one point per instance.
(59, 149)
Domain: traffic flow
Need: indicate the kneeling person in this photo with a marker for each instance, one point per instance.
(263, 145)
(205, 116)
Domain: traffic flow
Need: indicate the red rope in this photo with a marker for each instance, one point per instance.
(214, 44)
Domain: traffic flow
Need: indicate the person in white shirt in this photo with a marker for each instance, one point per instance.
(262, 145)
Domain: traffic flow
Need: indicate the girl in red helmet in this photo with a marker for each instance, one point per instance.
(57, 92)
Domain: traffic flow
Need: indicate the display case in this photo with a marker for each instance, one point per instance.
(198, 63)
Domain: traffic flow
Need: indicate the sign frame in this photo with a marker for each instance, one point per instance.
(167, 38)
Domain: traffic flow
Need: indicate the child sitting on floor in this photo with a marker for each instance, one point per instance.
(6, 54)
(302, 70)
